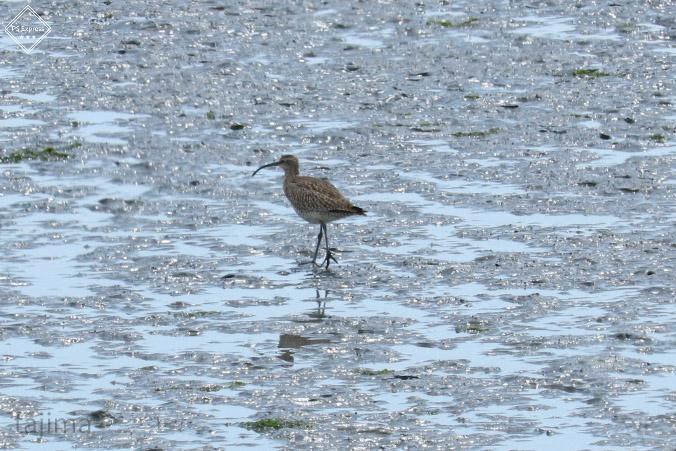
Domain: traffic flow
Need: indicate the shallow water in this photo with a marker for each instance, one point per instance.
(512, 286)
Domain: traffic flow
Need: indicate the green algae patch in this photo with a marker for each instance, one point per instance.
(590, 73)
(471, 327)
(426, 127)
(273, 424)
(475, 133)
(44, 154)
(211, 388)
(449, 24)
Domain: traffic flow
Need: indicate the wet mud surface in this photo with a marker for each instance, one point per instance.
(512, 286)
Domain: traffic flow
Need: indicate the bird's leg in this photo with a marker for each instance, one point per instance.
(319, 241)
(329, 256)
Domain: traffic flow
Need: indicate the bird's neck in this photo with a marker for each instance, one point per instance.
(291, 172)
(288, 180)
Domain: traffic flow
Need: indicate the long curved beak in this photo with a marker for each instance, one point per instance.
(276, 163)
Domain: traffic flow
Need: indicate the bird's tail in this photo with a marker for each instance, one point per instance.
(351, 210)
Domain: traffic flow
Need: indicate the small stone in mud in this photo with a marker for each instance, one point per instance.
(103, 418)
(425, 344)
(629, 336)
(186, 275)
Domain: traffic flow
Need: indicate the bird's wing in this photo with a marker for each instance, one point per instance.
(318, 192)
(319, 185)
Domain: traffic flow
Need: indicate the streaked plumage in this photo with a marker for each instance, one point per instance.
(315, 200)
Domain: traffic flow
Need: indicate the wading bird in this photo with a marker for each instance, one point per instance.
(315, 200)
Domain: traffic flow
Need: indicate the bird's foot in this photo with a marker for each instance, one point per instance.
(327, 259)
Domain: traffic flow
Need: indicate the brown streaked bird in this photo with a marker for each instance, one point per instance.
(315, 200)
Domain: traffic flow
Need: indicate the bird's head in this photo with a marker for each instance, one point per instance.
(287, 162)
